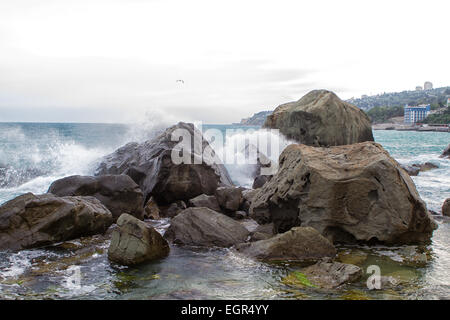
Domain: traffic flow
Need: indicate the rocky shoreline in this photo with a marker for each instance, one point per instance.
(332, 188)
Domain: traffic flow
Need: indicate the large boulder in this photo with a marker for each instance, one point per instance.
(119, 193)
(151, 166)
(446, 153)
(301, 244)
(30, 220)
(134, 242)
(446, 208)
(348, 193)
(205, 227)
(320, 118)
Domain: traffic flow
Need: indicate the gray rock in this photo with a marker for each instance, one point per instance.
(206, 201)
(301, 244)
(320, 118)
(348, 193)
(328, 274)
(446, 152)
(446, 208)
(414, 169)
(411, 170)
(150, 165)
(30, 221)
(119, 193)
(247, 195)
(173, 209)
(262, 232)
(230, 198)
(240, 215)
(205, 227)
(260, 181)
(134, 242)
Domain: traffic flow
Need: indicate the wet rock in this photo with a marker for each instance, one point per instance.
(206, 201)
(414, 169)
(151, 166)
(446, 152)
(173, 209)
(247, 195)
(411, 170)
(446, 208)
(239, 215)
(229, 198)
(348, 193)
(205, 227)
(260, 181)
(414, 256)
(356, 257)
(30, 220)
(134, 242)
(151, 210)
(320, 118)
(427, 166)
(302, 244)
(119, 193)
(328, 274)
(262, 232)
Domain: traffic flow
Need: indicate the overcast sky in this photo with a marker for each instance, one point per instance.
(114, 61)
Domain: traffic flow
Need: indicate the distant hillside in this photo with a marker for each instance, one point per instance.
(257, 119)
(436, 96)
(382, 107)
(441, 117)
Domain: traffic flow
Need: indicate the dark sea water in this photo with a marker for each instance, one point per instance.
(32, 155)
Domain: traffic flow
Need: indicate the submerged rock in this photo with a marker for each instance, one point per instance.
(30, 220)
(134, 242)
(446, 208)
(320, 118)
(414, 169)
(356, 257)
(206, 201)
(328, 274)
(446, 152)
(411, 170)
(301, 244)
(151, 166)
(348, 193)
(205, 227)
(119, 193)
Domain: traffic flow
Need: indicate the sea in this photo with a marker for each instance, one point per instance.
(33, 155)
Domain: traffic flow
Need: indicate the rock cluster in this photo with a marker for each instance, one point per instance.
(335, 187)
(150, 165)
(30, 221)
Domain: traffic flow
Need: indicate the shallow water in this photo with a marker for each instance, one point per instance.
(50, 151)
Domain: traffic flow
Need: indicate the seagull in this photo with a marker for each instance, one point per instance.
(182, 81)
